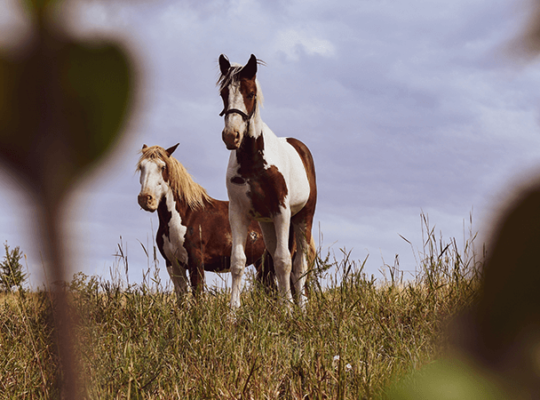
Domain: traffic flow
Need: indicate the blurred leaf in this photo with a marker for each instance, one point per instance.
(96, 85)
(19, 114)
(62, 105)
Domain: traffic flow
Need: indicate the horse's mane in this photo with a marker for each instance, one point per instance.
(180, 181)
(231, 76)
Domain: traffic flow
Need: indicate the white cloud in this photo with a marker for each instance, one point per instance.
(292, 42)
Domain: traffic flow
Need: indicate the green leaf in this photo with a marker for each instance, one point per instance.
(96, 84)
(62, 105)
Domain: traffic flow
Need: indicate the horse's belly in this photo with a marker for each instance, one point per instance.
(298, 184)
(299, 195)
(289, 163)
(220, 267)
(297, 206)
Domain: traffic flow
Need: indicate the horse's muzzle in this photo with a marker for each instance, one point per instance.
(231, 139)
(147, 202)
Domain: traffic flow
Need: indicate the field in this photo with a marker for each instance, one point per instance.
(356, 336)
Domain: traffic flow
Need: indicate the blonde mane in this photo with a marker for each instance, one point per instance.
(180, 181)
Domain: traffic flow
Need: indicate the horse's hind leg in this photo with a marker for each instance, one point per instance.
(300, 268)
(276, 240)
(266, 274)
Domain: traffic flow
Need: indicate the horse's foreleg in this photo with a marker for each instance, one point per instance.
(196, 275)
(239, 230)
(179, 277)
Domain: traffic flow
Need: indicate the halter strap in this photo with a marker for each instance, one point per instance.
(233, 111)
(245, 117)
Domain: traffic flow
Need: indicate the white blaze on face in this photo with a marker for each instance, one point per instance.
(234, 122)
(236, 100)
(152, 184)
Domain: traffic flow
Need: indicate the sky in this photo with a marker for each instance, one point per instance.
(408, 107)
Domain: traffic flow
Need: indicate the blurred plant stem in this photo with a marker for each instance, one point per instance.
(68, 373)
(62, 104)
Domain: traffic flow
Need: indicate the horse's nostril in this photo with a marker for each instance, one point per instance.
(231, 137)
(145, 199)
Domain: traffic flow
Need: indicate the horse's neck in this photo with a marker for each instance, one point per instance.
(253, 152)
(269, 138)
(268, 134)
(171, 205)
(256, 125)
(172, 229)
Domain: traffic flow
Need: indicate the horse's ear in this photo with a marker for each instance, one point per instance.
(250, 69)
(144, 147)
(224, 64)
(171, 150)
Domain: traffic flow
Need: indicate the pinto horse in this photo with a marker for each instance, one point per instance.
(194, 233)
(269, 179)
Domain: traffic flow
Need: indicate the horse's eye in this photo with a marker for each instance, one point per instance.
(251, 95)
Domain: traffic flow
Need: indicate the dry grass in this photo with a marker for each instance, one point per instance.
(136, 342)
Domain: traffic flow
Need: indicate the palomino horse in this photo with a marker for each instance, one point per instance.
(194, 232)
(270, 179)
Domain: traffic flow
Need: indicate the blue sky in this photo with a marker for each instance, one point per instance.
(408, 106)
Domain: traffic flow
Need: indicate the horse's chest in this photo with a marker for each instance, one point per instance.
(174, 234)
(266, 192)
(262, 190)
(267, 178)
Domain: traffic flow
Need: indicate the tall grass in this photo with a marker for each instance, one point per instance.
(136, 342)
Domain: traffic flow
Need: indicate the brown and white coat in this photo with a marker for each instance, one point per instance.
(270, 179)
(194, 233)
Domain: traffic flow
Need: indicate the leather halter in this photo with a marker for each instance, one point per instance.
(244, 116)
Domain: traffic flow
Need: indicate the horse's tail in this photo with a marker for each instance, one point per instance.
(311, 258)
(311, 254)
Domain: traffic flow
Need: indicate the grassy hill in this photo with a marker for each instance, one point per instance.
(355, 337)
